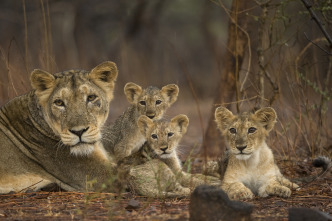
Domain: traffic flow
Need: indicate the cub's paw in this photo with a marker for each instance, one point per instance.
(178, 192)
(211, 168)
(276, 190)
(194, 182)
(294, 186)
(185, 191)
(240, 194)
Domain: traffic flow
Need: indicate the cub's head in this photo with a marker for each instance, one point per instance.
(151, 102)
(246, 132)
(163, 136)
(75, 103)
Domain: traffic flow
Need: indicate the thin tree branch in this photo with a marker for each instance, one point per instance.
(317, 20)
(306, 36)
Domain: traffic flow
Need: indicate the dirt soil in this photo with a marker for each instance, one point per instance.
(59, 205)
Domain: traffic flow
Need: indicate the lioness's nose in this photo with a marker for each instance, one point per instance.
(240, 148)
(164, 148)
(79, 133)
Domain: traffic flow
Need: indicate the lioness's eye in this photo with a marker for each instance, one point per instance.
(59, 103)
(142, 103)
(158, 102)
(251, 130)
(154, 136)
(170, 134)
(232, 130)
(91, 97)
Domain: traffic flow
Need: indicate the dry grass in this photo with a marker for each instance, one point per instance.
(60, 35)
(108, 206)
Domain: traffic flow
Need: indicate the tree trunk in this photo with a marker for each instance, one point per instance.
(229, 81)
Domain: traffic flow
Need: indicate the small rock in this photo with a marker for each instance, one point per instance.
(52, 187)
(132, 205)
(29, 191)
(211, 203)
(306, 214)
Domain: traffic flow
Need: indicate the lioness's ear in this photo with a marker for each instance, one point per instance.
(181, 121)
(132, 92)
(144, 124)
(104, 75)
(170, 92)
(223, 117)
(267, 116)
(41, 80)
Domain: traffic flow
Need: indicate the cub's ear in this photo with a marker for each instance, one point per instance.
(267, 117)
(132, 92)
(170, 92)
(41, 80)
(223, 117)
(144, 124)
(181, 121)
(104, 75)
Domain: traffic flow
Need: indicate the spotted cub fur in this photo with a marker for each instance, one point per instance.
(156, 166)
(123, 138)
(251, 169)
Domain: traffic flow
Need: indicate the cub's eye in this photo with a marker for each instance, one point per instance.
(158, 102)
(232, 130)
(251, 130)
(170, 134)
(154, 136)
(59, 103)
(91, 97)
(142, 103)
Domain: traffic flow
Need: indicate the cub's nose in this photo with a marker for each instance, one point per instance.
(164, 148)
(240, 148)
(79, 133)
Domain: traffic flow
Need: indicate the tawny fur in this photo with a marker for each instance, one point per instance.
(123, 138)
(251, 169)
(53, 133)
(157, 159)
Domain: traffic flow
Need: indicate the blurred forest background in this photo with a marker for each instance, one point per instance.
(239, 54)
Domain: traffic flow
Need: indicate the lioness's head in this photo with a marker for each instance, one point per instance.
(163, 136)
(151, 102)
(75, 103)
(246, 132)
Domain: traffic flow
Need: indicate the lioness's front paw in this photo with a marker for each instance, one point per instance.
(281, 191)
(240, 194)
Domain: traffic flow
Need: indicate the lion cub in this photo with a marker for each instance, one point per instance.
(162, 138)
(124, 138)
(250, 166)
(152, 171)
(156, 165)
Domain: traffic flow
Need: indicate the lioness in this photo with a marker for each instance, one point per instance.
(250, 163)
(53, 133)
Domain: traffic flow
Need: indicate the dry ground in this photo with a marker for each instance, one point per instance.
(105, 206)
